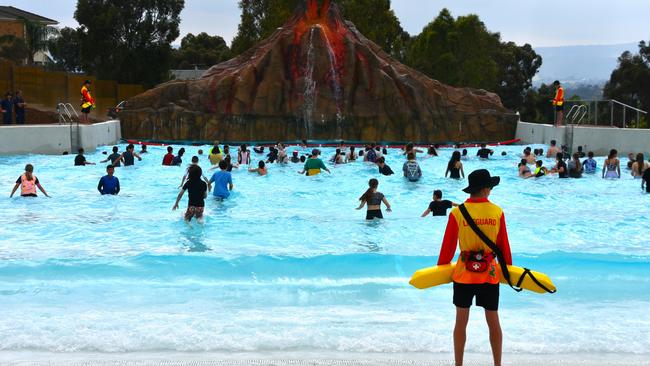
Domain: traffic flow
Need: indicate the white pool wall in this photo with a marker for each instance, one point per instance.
(55, 139)
(597, 139)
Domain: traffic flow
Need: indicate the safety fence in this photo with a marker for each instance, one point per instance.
(49, 88)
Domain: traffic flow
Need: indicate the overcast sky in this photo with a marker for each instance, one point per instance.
(540, 23)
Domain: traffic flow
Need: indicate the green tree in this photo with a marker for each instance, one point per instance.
(13, 49)
(630, 81)
(65, 50)
(463, 52)
(200, 50)
(537, 106)
(128, 40)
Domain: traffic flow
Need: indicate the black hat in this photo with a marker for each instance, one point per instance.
(480, 179)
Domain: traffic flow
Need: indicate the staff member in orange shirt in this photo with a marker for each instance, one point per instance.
(476, 272)
(87, 102)
(558, 102)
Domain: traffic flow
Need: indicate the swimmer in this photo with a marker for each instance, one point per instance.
(294, 157)
(373, 199)
(503, 153)
(195, 162)
(484, 152)
(431, 151)
(303, 159)
(645, 181)
(222, 182)
(630, 160)
(28, 184)
(214, 155)
(411, 168)
(243, 155)
(228, 161)
(115, 158)
(455, 167)
(384, 169)
(314, 165)
(178, 159)
(612, 166)
(200, 152)
(410, 148)
(524, 170)
(339, 157)
(198, 192)
(560, 166)
(464, 155)
(128, 156)
(169, 157)
(640, 166)
(575, 167)
(581, 154)
(552, 150)
(80, 160)
(109, 184)
(259, 149)
(143, 149)
(283, 158)
(272, 156)
(261, 169)
(371, 154)
(351, 155)
(540, 170)
(530, 158)
(438, 207)
(590, 165)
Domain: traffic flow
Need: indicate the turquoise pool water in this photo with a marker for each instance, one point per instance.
(288, 264)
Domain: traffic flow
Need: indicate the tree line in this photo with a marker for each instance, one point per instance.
(131, 41)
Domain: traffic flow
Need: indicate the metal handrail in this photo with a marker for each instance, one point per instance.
(61, 107)
(628, 106)
(73, 109)
(574, 113)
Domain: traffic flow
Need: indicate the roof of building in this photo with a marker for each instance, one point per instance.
(11, 13)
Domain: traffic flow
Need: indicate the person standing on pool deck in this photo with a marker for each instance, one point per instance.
(558, 103)
(373, 199)
(438, 207)
(28, 183)
(198, 192)
(314, 165)
(19, 106)
(612, 166)
(109, 184)
(467, 283)
(222, 181)
(87, 101)
(7, 107)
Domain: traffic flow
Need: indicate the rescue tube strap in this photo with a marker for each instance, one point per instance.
(491, 244)
(530, 274)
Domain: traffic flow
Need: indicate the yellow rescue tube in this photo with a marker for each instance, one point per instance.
(440, 275)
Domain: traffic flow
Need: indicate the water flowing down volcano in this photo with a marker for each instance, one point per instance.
(316, 77)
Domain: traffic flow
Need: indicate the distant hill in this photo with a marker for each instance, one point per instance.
(580, 64)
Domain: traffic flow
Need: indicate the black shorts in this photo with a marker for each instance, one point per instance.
(487, 295)
(374, 214)
(559, 108)
(85, 110)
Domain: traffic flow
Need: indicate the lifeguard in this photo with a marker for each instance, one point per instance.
(87, 101)
(558, 102)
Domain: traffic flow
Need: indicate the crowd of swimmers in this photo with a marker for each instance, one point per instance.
(221, 184)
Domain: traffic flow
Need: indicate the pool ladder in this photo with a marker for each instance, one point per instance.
(68, 115)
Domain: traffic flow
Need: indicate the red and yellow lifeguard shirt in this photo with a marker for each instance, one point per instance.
(490, 219)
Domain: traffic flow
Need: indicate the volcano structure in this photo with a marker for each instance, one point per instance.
(316, 78)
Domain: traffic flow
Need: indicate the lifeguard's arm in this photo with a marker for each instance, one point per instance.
(178, 199)
(449, 243)
(502, 240)
(18, 185)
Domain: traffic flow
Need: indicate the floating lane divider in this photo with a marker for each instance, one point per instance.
(521, 277)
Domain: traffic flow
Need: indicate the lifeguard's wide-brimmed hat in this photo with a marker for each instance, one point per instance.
(480, 179)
